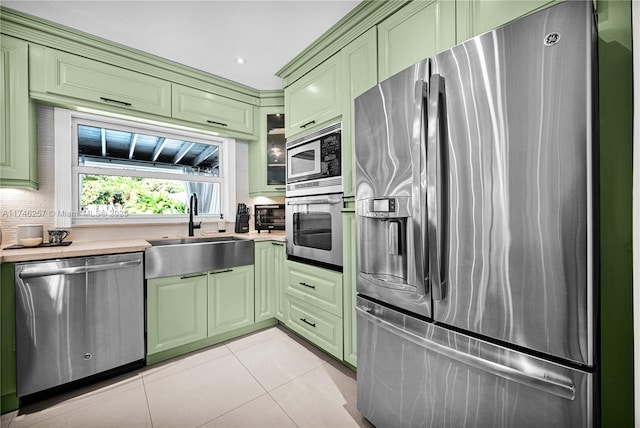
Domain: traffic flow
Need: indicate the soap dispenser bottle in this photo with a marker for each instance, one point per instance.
(221, 224)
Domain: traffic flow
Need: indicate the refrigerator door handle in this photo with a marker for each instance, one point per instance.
(544, 381)
(436, 182)
(416, 242)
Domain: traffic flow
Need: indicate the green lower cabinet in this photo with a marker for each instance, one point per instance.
(176, 311)
(349, 287)
(313, 305)
(230, 299)
(319, 287)
(269, 280)
(9, 400)
(279, 277)
(319, 327)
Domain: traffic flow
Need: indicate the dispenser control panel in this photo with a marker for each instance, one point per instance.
(386, 205)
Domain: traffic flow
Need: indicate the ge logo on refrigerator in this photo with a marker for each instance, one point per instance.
(551, 39)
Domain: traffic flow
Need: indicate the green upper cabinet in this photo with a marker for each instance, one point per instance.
(54, 72)
(18, 142)
(212, 110)
(314, 99)
(359, 73)
(267, 157)
(475, 17)
(230, 299)
(269, 280)
(176, 311)
(417, 31)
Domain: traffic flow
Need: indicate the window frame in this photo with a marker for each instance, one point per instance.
(67, 169)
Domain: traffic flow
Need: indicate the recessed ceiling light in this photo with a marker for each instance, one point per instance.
(239, 60)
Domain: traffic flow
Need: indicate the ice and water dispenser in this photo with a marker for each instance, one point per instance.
(384, 228)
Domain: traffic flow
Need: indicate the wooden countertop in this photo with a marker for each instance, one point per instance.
(93, 248)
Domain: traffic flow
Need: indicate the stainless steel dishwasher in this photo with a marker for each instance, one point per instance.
(77, 317)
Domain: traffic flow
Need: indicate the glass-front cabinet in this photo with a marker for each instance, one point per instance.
(275, 150)
(267, 157)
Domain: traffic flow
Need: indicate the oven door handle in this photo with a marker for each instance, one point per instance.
(330, 201)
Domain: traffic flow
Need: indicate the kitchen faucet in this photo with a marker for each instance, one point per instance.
(193, 210)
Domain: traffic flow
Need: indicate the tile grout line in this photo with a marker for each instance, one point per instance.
(279, 386)
(146, 397)
(240, 405)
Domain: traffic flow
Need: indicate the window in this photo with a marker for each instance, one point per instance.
(125, 171)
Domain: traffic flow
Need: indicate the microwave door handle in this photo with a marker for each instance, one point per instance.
(330, 201)
(436, 188)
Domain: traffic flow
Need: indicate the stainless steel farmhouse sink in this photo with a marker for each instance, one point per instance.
(169, 257)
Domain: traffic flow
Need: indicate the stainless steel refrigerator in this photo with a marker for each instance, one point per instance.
(476, 175)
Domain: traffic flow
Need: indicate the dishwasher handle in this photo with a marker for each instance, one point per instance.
(79, 269)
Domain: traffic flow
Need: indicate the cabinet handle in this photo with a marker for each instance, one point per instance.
(277, 244)
(307, 124)
(281, 188)
(222, 271)
(312, 324)
(193, 276)
(109, 100)
(213, 122)
(308, 285)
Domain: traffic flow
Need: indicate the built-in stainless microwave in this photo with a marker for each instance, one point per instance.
(314, 163)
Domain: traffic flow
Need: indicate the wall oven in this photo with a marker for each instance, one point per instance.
(314, 229)
(314, 163)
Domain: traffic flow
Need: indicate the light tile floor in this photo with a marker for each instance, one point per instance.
(267, 379)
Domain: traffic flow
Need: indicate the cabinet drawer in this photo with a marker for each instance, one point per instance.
(318, 326)
(211, 109)
(320, 287)
(70, 75)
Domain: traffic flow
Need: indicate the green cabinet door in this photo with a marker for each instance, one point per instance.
(415, 32)
(212, 110)
(102, 85)
(349, 287)
(18, 142)
(265, 303)
(475, 17)
(314, 99)
(267, 156)
(279, 276)
(269, 280)
(359, 73)
(176, 311)
(231, 299)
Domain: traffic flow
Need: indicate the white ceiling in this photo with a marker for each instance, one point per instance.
(205, 34)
